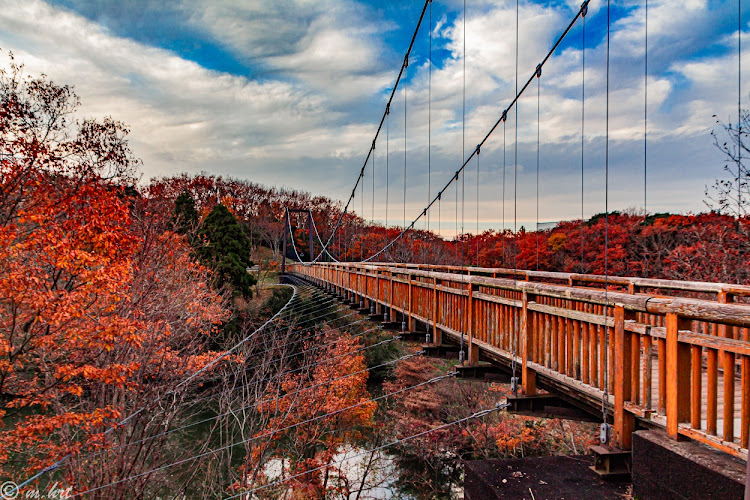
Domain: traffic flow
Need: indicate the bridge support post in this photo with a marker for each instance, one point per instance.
(283, 247)
(678, 375)
(726, 359)
(391, 300)
(410, 323)
(528, 376)
(473, 355)
(378, 298)
(624, 420)
(437, 333)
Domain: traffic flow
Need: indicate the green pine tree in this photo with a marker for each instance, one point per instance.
(225, 249)
(185, 215)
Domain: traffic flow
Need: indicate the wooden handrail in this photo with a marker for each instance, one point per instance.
(649, 352)
(598, 279)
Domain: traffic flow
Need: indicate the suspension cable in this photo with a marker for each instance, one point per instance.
(605, 394)
(505, 117)
(158, 398)
(478, 414)
(265, 434)
(380, 126)
(512, 104)
(584, 11)
(740, 267)
(429, 121)
(406, 69)
(372, 200)
(477, 237)
(461, 354)
(514, 382)
(256, 404)
(387, 156)
(538, 122)
(309, 366)
(645, 116)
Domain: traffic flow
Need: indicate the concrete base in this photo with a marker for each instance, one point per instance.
(547, 406)
(539, 478)
(482, 371)
(668, 469)
(445, 351)
(391, 325)
(412, 336)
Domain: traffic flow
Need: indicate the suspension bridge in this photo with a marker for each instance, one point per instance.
(640, 353)
(634, 353)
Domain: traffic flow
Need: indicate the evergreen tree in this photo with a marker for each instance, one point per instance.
(225, 249)
(185, 216)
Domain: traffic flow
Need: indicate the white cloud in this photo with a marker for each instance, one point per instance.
(301, 123)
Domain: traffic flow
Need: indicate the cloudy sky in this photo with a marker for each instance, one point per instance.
(290, 92)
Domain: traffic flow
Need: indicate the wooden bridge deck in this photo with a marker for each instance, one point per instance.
(662, 349)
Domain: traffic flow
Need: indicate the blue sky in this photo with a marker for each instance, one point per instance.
(289, 93)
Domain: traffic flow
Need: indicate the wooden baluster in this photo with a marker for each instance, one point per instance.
(560, 365)
(635, 364)
(437, 334)
(745, 402)
(647, 371)
(661, 346)
(594, 356)
(712, 383)
(611, 359)
(727, 362)
(391, 296)
(528, 376)
(553, 341)
(585, 355)
(576, 350)
(624, 420)
(696, 382)
(678, 376)
(473, 357)
(602, 355)
(569, 361)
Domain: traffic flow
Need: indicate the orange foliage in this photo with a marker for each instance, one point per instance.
(98, 305)
(313, 440)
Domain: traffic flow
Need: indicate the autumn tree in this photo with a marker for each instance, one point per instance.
(185, 215)
(101, 311)
(225, 248)
(321, 409)
(730, 193)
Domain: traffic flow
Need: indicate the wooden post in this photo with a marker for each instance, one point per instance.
(712, 376)
(410, 321)
(473, 357)
(678, 376)
(437, 333)
(624, 420)
(727, 362)
(647, 371)
(528, 376)
(351, 276)
(283, 246)
(310, 232)
(391, 300)
(377, 292)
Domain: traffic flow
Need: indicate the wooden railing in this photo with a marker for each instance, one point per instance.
(678, 362)
(720, 291)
